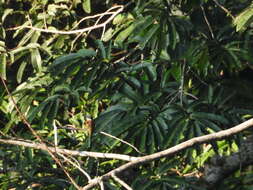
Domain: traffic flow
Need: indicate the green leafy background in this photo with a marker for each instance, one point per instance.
(159, 75)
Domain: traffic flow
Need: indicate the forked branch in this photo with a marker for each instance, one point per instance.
(119, 8)
(171, 151)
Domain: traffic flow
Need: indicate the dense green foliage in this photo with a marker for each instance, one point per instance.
(162, 72)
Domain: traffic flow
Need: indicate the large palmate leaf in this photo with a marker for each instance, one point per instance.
(166, 71)
(139, 107)
(149, 112)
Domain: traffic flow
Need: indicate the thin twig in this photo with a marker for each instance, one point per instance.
(55, 134)
(44, 17)
(101, 16)
(121, 182)
(74, 41)
(70, 127)
(191, 95)
(207, 22)
(224, 9)
(125, 142)
(76, 165)
(89, 17)
(113, 14)
(94, 16)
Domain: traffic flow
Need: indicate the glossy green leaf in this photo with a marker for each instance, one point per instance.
(21, 71)
(62, 89)
(127, 122)
(36, 110)
(165, 77)
(174, 38)
(244, 19)
(91, 77)
(131, 94)
(150, 143)
(86, 6)
(36, 59)
(175, 131)
(102, 49)
(3, 66)
(125, 33)
(162, 124)
(133, 82)
(210, 116)
(122, 18)
(197, 128)
(2, 46)
(176, 72)
(158, 134)
(148, 35)
(83, 53)
(53, 111)
(46, 111)
(105, 121)
(41, 106)
(6, 13)
(151, 71)
(24, 48)
(209, 124)
(142, 24)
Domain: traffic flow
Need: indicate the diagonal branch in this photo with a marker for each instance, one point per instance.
(127, 143)
(224, 9)
(121, 182)
(207, 22)
(171, 151)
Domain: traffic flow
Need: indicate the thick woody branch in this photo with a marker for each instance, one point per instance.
(173, 150)
(219, 167)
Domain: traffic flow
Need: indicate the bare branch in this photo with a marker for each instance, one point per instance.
(95, 26)
(77, 165)
(207, 22)
(69, 152)
(224, 9)
(173, 150)
(127, 143)
(121, 182)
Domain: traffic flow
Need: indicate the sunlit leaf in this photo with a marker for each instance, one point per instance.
(86, 6)
(3, 66)
(21, 71)
(244, 19)
(36, 59)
